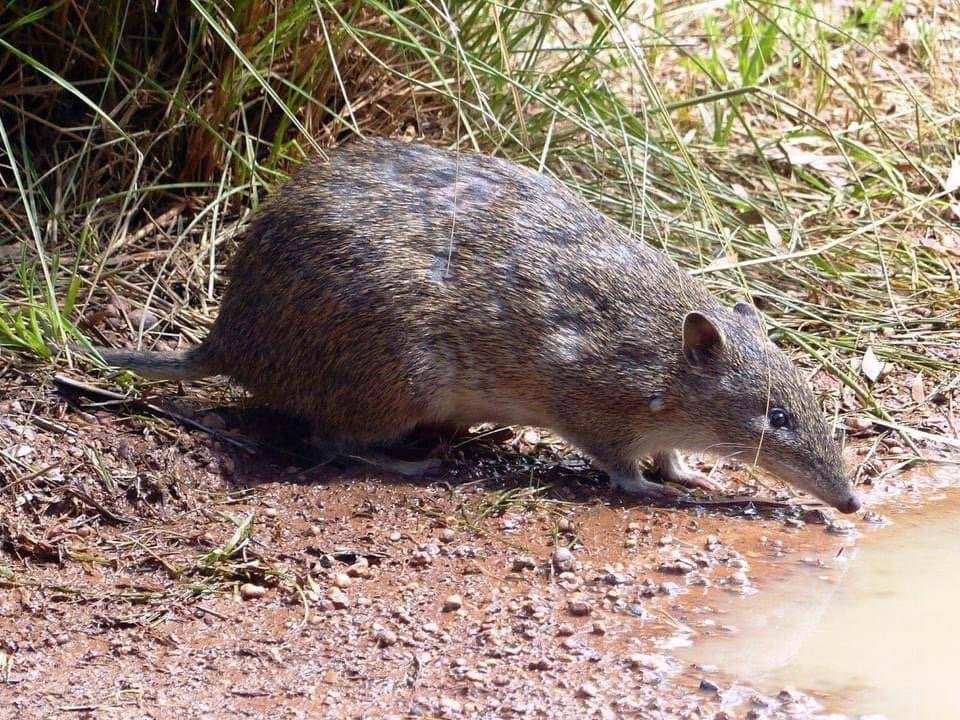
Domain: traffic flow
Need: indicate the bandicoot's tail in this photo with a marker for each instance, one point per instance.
(166, 365)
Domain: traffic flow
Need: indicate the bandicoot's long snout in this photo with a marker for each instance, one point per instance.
(852, 505)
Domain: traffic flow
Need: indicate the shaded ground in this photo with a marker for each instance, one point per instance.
(148, 570)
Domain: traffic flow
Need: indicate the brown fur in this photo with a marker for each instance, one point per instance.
(396, 285)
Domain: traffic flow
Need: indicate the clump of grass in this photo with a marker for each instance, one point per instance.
(788, 151)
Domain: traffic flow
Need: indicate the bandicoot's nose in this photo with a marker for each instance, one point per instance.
(850, 506)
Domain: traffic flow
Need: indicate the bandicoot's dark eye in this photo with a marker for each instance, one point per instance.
(779, 418)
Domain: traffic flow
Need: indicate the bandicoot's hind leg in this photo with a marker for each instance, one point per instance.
(407, 468)
(371, 451)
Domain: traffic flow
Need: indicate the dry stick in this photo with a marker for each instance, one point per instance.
(743, 502)
(62, 381)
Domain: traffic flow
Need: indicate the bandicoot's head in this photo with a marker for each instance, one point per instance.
(750, 396)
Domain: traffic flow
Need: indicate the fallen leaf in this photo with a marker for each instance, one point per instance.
(831, 166)
(953, 177)
(917, 391)
(871, 365)
(773, 234)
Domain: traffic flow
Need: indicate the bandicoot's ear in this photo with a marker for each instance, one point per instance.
(702, 338)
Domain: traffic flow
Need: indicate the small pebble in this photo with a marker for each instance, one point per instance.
(447, 535)
(271, 512)
(599, 628)
(815, 516)
(565, 630)
(678, 566)
(385, 637)
(579, 608)
(840, 527)
(524, 562)
(342, 580)
(453, 602)
(249, 591)
(338, 599)
(709, 686)
(858, 423)
(587, 690)
(562, 559)
(361, 568)
(451, 705)
(144, 317)
(394, 536)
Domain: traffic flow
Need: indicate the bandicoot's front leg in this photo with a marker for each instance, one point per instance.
(625, 474)
(673, 469)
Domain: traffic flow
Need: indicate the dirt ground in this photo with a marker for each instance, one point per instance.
(150, 568)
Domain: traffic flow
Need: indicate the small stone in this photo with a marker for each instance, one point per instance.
(540, 664)
(564, 525)
(342, 581)
(420, 558)
(338, 599)
(579, 608)
(523, 562)
(450, 705)
(709, 686)
(271, 513)
(840, 527)
(599, 628)
(678, 566)
(587, 690)
(669, 589)
(858, 423)
(789, 695)
(562, 559)
(815, 516)
(249, 591)
(452, 603)
(874, 518)
(145, 318)
(385, 637)
(395, 536)
(447, 535)
(566, 630)
(361, 568)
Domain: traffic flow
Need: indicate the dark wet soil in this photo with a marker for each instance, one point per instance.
(148, 569)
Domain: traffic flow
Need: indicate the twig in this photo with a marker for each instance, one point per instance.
(64, 382)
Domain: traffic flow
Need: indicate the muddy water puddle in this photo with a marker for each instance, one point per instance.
(874, 633)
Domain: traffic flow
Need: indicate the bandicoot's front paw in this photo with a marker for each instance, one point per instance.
(673, 469)
(644, 488)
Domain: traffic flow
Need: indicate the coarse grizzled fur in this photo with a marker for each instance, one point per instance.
(394, 285)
